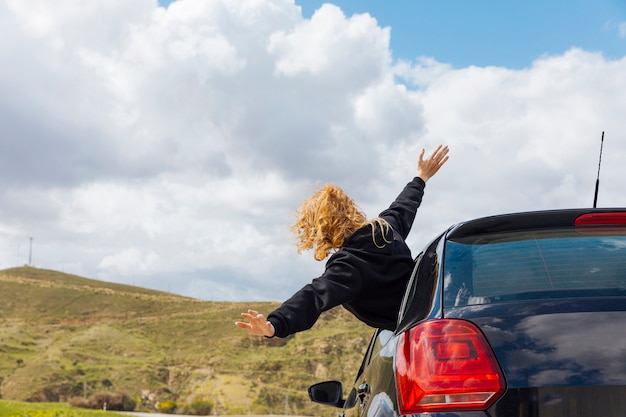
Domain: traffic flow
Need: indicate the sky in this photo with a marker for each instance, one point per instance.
(167, 145)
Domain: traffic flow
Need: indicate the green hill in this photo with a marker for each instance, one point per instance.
(64, 336)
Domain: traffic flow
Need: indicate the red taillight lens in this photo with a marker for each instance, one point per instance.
(601, 219)
(446, 365)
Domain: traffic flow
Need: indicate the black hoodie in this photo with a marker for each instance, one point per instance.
(367, 275)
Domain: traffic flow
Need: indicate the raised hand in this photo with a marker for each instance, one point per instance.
(426, 168)
(257, 325)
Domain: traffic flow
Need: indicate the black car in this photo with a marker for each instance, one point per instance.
(517, 315)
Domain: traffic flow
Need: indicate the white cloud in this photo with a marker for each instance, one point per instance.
(332, 47)
(130, 261)
(168, 147)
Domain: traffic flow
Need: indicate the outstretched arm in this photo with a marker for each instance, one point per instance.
(257, 325)
(426, 168)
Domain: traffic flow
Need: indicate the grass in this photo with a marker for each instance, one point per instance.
(20, 409)
(63, 336)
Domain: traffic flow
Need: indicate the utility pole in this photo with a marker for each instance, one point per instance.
(30, 253)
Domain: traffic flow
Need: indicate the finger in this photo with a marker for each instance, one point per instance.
(248, 316)
(442, 157)
(440, 152)
(421, 156)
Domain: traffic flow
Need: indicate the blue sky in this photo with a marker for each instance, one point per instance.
(511, 34)
(493, 32)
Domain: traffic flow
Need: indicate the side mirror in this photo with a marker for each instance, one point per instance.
(327, 393)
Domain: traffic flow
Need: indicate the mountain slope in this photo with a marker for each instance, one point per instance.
(63, 336)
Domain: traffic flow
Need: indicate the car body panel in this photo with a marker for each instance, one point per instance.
(561, 401)
(374, 391)
(572, 342)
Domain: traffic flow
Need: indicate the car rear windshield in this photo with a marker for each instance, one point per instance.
(535, 265)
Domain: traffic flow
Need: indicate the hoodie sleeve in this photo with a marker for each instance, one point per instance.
(340, 283)
(401, 212)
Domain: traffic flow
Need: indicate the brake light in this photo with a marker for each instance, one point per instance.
(601, 219)
(445, 366)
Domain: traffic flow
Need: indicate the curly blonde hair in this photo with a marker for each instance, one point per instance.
(326, 219)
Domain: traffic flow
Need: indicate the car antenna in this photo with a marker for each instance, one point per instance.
(595, 197)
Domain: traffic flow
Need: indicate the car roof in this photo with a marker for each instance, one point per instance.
(530, 220)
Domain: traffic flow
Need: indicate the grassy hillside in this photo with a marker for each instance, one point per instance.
(64, 336)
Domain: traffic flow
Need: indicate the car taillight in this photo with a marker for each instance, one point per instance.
(601, 219)
(445, 366)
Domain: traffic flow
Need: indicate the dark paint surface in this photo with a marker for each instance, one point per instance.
(561, 358)
(577, 342)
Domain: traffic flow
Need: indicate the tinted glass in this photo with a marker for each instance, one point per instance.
(535, 265)
(419, 299)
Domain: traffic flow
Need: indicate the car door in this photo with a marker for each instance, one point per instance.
(373, 393)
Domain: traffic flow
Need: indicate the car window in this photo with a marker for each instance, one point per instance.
(418, 299)
(534, 265)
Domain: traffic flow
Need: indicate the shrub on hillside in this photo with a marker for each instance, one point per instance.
(105, 401)
(55, 392)
(199, 408)
(166, 407)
